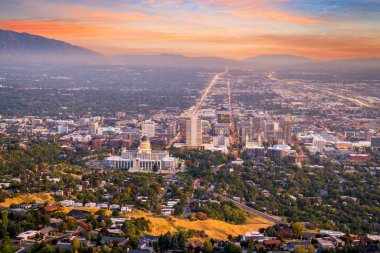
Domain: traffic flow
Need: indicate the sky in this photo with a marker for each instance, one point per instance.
(237, 29)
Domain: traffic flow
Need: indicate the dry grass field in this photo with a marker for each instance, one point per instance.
(161, 225)
(213, 228)
(27, 198)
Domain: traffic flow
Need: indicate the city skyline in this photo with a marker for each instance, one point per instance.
(319, 30)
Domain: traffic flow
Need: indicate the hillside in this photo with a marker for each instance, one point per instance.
(278, 60)
(213, 228)
(25, 47)
(173, 60)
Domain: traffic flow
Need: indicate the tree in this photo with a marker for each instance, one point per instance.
(297, 229)
(201, 216)
(232, 248)
(310, 249)
(4, 218)
(75, 245)
(207, 247)
(5, 245)
(181, 237)
(299, 249)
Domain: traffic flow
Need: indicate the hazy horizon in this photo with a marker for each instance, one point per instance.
(221, 28)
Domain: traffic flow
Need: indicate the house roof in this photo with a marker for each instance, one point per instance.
(272, 242)
(46, 230)
(51, 208)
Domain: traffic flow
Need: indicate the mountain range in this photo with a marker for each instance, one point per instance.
(23, 47)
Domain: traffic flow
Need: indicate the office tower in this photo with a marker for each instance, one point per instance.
(246, 131)
(206, 131)
(221, 140)
(270, 128)
(193, 131)
(93, 127)
(257, 123)
(148, 128)
(287, 131)
(182, 126)
(220, 128)
(375, 142)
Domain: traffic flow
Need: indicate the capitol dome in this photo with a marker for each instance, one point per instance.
(145, 145)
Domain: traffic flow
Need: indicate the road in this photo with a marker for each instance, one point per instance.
(253, 211)
(233, 132)
(354, 100)
(207, 91)
(217, 168)
(174, 140)
(337, 95)
(187, 210)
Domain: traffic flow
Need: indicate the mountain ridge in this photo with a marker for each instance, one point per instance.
(15, 46)
(26, 47)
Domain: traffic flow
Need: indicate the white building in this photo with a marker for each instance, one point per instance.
(148, 128)
(63, 129)
(93, 126)
(193, 131)
(319, 142)
(144, 159)
(30, 234)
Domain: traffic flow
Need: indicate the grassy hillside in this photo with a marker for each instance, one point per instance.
(213, 228)
(160, 225)
(26, 198)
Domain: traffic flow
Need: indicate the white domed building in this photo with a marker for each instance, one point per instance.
(144, 159)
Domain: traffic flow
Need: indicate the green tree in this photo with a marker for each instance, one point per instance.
(207, 247)
(5, 221)
(297, 228)
(5, 245)
(232, 248)
(75, 245)
(299, 249)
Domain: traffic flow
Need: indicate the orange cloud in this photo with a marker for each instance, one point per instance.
(261, 9)
(57, 29)
(235, 29)
(116, 40)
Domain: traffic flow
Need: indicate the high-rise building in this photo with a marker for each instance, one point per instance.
(375, 142)
(148, 128)
(182, 126)
(193, 131)
(287, 130)
(221, 140)
(270, 129)
(246, 131)
(93, 126)
(206, 131)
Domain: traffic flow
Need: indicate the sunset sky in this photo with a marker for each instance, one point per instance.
(326, 29)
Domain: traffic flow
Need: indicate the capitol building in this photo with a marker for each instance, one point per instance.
(144, 159)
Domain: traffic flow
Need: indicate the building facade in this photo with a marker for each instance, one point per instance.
(148, 128)
(144, 159)
(193, 131)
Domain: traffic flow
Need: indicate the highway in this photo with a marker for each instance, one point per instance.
(355, 100)
(337, 95)
(208, 90)
(253, 211)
